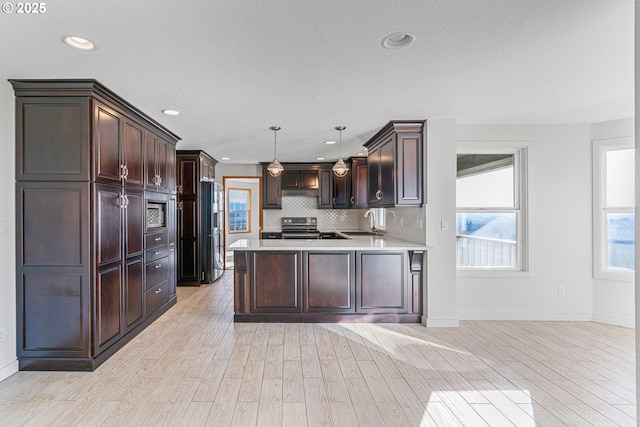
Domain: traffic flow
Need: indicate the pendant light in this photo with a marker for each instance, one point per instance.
(340, 168)
(275, 168)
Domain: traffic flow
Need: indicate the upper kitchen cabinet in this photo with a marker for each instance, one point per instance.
(294, 180)
(359, 190)
(82, 211)
(161, 163)
(271, 189)
(395, 167)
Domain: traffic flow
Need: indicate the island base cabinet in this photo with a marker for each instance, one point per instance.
(275, 282)
(381, 283)
(328, 286)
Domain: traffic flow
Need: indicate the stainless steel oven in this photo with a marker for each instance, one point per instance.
(300, 227)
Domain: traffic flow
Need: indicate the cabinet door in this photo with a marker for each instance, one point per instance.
(309, 179)
(381, 284)
(133, 150)
(291, 180)
(325, 200)
(275, 282)
(271, 192)
(188, 255)
(373, 177)
(359, 178)
(171, 167)
(109, 204)
(188, 177)
(107, 124)
(133, 292)
(151, 161)
(341, 191)
(387, 172)
(409, 174)
(134, 215)
(329, 282)
(108, 326)
(161, 165)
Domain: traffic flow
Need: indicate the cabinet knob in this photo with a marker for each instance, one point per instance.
(157, 252)
(157, 266)
(157, 291)
(157, 239)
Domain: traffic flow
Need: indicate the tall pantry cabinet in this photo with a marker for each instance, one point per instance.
(96, 223)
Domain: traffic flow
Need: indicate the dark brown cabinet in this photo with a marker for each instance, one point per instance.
(329, 282)
(293, 179)
(200, 228)
(271, 190)
(359, 179)
(82, 167)
(325, 198)
(328, 285)
(342, 191)
(395, 165)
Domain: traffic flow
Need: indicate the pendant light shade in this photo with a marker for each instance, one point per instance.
(340, 168)
(275, 168)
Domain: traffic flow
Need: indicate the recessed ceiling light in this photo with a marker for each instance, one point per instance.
(319, 158)
(225, 158)
(79, 43)
(361, 154)
(171, 112)
(398, 40)
(329, 142)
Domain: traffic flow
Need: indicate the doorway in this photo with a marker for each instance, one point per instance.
(243, 211)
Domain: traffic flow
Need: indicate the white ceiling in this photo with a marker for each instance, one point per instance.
(235, 67)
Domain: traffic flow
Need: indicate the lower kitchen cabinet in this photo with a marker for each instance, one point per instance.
(381, 282)
(328, 286)
(328, 283)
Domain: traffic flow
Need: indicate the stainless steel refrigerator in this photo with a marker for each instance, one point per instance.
(212, 231)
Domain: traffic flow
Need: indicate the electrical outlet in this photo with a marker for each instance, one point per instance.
(561, 291)
(1, 333)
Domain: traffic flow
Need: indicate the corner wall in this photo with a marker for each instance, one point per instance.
(8, 358)
(614, 301)
(559, 238)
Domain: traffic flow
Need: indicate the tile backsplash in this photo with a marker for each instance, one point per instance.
(328, 219)
(406, 223)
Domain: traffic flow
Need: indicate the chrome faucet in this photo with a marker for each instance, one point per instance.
(373, 220)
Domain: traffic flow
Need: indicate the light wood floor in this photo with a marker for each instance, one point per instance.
(194, 366)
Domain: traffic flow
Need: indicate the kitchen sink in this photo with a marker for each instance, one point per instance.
(357, 233)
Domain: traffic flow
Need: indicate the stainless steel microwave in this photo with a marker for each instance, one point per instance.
(155, 215)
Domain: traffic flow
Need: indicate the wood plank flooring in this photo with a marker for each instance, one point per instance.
(195, 367)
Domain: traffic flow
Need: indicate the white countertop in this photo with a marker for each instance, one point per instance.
(350, 243)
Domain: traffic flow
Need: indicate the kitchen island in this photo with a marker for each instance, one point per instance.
(356, 279)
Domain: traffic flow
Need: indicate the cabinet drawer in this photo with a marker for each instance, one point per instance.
(156, 239)
(157, 271)
(157, 296)
(155, 253)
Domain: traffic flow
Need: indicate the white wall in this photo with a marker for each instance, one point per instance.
(8, 360)
(560, 243)
(613, 301)
(440, 195)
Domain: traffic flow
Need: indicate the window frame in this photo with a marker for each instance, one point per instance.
(520, 164)
(229, 210)
(600, 210)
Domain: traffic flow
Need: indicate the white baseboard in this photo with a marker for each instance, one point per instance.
(8, 370)
(568, 317)
(613, 320)
(440, 323)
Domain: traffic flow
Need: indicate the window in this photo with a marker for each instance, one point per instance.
(614, 207)
(490, 200)
(239, 210)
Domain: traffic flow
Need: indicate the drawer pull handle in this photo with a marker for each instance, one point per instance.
(157, 291)
(157, 252)
(157, 266)
(379, 195)
(157, 239)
